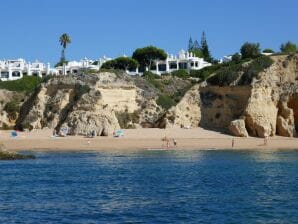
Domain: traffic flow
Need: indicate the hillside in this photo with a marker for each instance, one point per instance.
(257, 98)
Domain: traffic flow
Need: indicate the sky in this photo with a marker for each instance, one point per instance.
(30, 29)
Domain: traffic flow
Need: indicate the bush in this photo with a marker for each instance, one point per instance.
(165, 101)
(268, 50)
(181, 73)
(27, 83)
(288, 47)
(153, 79)
(250, 50)
(204, 73)
(254, 68)
(12, 108)
(236, 57)
(226, 75)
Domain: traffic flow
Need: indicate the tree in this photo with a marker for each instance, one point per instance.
(197, 52)
(288, 47)
(196, 45)
(236, 57)
(250, 50)
(190, 44)
(123, 63)
(205, 49)
(147, 55)
(268, 50)
(64, 41)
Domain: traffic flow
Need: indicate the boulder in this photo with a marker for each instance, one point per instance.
(83, 123)
(237, 128)
(261, 113)
(283, 127)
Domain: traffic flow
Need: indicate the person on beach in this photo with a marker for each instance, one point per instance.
(174, 142)
(233, 142)
(168, 143)
(266, 140)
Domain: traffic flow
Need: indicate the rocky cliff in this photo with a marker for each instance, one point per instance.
(266, 106)
(237, 100)
(84, 103)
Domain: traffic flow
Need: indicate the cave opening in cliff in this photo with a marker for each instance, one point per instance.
(293, 104)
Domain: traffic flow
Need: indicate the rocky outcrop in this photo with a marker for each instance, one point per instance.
(237, 128)
(186, 113)
(285, 125)
(83, 103)
(10, 101)
(261, 113)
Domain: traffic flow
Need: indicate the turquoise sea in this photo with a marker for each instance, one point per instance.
(151, 187)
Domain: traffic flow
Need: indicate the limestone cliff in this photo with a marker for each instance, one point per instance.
(265, 105)
(242, 103)
(98, 102)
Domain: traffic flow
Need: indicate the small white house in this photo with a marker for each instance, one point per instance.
(16, 69)
(184, 60)
(74, 67)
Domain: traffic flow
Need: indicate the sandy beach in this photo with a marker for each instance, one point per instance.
(135, 139)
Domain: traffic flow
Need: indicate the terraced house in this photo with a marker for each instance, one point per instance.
(16, 69)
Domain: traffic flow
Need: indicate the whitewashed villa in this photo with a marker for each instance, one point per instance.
(16, 69)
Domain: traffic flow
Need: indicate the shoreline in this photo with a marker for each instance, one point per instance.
(142, 139)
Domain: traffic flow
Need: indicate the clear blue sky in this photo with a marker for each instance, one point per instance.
(31, 28)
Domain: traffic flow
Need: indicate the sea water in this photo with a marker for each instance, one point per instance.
(151, 187)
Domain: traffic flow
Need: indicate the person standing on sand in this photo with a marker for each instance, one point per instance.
(168, 143)
(266, 140)
(233, 142)
(174, 142)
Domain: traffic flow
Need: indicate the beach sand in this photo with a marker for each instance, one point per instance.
(134, 139)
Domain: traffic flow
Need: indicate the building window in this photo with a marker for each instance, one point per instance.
(162, 67)
(35, 74)
(16, 74)
(191, 64)
(173, 65)
(182, 65)
(196, 64)
(4, 75)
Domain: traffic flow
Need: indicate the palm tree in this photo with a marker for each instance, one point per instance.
(64, 41)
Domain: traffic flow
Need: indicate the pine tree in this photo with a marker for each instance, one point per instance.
(196, 45)
(204, 48)
(190, 44)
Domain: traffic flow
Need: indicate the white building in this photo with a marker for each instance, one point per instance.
(16, 69)
(74, 67)
(184, 60)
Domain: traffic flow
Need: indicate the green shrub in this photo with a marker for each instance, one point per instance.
(150, 75)
(181, 73)
(204, 73)
(27, 83)
(268, 50)
(236, 57)
(250, 50)
(226, 75)
(165, 101)
(254, 68)
(12, 108)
